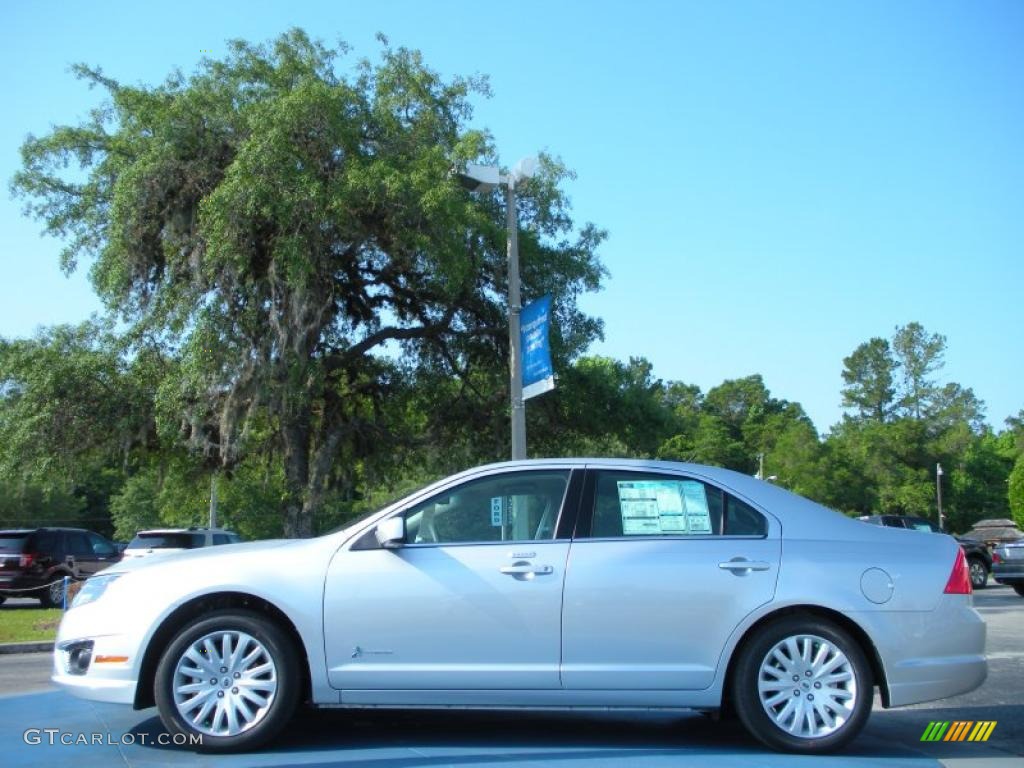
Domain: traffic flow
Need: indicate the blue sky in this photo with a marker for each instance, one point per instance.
(780, 181)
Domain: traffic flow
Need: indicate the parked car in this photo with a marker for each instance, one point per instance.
(542, 584)
(979, 559)
(34, 561)
(166, 540)
(1008, 566)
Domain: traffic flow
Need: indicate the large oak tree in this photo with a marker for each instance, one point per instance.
(293, 235)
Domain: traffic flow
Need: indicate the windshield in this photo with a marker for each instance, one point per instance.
(167, 541)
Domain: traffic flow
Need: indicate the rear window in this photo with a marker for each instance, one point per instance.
(12, 542)
(167, 541)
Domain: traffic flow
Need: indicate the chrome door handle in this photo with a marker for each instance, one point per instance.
(519, 570)
(745, 565)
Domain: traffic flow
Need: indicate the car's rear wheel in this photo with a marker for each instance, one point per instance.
(802, 684)
(1019, 589)
(232, 679)
(979, 573)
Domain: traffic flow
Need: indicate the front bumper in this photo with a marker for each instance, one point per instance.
(111, 674)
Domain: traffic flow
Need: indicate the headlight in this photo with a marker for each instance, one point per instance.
(94, 588)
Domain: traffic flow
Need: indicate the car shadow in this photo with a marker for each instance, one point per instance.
(422, 738)
(908, 726)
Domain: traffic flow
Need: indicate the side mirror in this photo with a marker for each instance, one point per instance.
(391, 532)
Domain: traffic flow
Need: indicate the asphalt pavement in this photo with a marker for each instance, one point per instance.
(29, 706)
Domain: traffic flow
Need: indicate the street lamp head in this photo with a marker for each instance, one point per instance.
(479, 178)
(526, 168)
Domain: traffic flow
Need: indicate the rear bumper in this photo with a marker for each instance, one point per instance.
(1008, 573)
(929, 655)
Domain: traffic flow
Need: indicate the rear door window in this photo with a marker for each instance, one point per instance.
(638, 504)
(47, 542)
(77, 544)
(742, 519)
(628, 504)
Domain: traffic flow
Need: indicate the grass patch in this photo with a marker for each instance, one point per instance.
(25, 625)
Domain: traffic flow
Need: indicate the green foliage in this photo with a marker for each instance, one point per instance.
(291, 238)
(71, 402)
(177, 495)
(978, 481)
(917, 354)
(25, 504)
(868, 376)
(1016, 491)
(601, 407)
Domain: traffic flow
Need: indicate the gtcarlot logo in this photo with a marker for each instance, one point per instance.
(52, 736)
(958, 730)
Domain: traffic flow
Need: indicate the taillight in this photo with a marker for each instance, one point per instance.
(26, 561)
(960, 579)
(996, 558)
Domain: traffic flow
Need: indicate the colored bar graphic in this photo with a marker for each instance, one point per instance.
(959, 730)
(982, 730)
(935, 730)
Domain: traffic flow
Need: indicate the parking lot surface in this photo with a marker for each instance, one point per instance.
(33, 714)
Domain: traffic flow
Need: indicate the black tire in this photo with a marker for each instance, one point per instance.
(3, 599)
(978, 571)
(1019, 589)
(269, 720)
(52, 596)
(747, 675)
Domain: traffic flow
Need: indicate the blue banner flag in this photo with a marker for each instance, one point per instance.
(535, 320)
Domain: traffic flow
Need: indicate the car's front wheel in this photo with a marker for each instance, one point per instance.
(979, 573)
(802, 684)
(1019, 589)
(228, 682)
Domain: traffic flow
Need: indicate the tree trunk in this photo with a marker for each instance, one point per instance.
(298, 519)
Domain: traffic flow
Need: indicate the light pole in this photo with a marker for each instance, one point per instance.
(938, 492)
(484, 178)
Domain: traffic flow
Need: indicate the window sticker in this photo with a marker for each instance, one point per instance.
(698, 517)
(496, 510)
(651, 507)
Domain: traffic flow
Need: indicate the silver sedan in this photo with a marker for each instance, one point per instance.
(555, 584)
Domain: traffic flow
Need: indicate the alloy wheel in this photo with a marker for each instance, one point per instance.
(224, 683)
(808, 686)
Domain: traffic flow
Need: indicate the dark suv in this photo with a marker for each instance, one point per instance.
(34, 561)
(979, 559)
